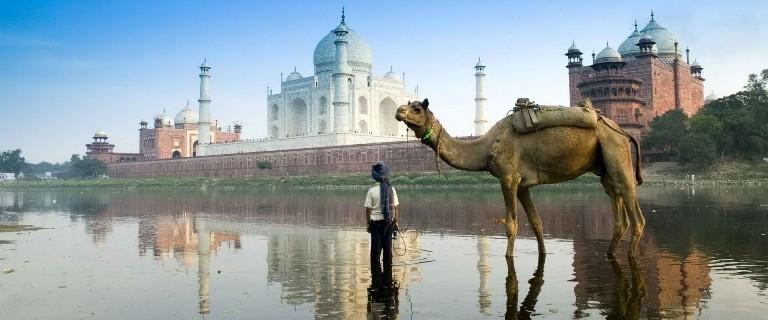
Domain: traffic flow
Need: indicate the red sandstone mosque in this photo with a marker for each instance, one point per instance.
(169, 139)
(644, 78)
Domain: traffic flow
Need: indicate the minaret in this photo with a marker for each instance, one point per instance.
(575, 62)
(204, 114)
(340, 87)
(481, 116)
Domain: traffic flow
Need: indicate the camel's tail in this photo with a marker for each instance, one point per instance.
(615, 127)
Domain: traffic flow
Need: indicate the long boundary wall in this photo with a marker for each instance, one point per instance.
(399, 156)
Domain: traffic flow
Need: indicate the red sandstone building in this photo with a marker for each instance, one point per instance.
(646, 77)
(167, 140)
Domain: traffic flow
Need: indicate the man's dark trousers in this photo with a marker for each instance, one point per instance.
(381, 240)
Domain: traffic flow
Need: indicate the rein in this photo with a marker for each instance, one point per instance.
(425, 140)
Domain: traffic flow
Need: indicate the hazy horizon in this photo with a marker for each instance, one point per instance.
(74, 68)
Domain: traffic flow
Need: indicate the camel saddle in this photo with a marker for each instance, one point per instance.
(527, 116)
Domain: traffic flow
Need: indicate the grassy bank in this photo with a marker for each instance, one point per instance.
(356, 180)
(656, 174)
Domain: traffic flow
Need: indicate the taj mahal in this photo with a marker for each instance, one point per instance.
(342, 103)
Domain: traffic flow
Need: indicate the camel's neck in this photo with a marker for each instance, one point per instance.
(469, 155)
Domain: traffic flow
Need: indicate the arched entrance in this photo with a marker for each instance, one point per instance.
(176, 155)
(297, 118)
(274, 132)
(194, 149)
(387, 121)
(363, 126)
(323, 127)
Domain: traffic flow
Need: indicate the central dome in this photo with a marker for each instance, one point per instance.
(358, 51)
(665, 40)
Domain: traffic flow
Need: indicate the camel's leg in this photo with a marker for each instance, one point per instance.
(509, 189)
(620, 222)
(524, 194)
(636, 219)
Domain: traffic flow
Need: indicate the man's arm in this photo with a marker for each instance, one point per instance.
(395, 214)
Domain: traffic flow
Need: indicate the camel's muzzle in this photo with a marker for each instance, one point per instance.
(400, 115)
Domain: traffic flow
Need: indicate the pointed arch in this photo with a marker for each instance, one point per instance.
(387, 122)
(362, 127)
(297, 118)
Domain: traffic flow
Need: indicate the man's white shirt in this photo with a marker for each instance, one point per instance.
(373, 202)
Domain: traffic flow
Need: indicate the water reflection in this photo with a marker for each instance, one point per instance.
(316, 251)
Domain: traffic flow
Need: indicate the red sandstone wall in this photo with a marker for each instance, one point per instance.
(400, 156)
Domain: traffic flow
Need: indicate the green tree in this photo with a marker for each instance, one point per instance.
(85, 167)
(697, 149)
(666, 131)
(12, 161)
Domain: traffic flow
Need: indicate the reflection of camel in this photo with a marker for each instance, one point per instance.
(546, 156)
(529, 302)
(629, 292)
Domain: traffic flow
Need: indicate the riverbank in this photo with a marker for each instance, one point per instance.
(656, 174)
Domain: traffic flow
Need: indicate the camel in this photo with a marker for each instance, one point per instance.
(546, 156)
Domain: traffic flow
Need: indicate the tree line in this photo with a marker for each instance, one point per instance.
(77, 167)
(733, 127)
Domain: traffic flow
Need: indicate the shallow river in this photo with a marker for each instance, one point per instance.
(304, 254)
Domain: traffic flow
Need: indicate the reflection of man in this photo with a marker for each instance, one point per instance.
(381, 207)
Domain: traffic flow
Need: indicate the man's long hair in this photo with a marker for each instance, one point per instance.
(380, 173)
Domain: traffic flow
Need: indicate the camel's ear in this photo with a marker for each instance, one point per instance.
(425, 103)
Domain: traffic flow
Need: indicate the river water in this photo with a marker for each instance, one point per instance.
(304, 254)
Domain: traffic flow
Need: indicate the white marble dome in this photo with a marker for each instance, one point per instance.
(391, 75)
(100, 134)
(186, 116)
(358, 51)
(293, 76)
(711, 97)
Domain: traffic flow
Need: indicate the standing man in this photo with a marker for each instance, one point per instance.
(381, 207)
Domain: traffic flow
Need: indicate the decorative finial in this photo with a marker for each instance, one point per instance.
(635, 24)
(390, 68)
(343, 17)
(294, 68)
(573, 42)
(187, 103)
(651, 15)
(606, 44)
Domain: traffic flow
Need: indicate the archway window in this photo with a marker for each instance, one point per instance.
(275, 112)
(323, 105)
(274, 132)
(323, 127)
(363, 126)
(176, 155)
(363, 105)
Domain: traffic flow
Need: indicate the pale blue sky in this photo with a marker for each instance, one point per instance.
(72, 67)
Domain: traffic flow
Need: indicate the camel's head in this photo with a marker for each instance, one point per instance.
(417, 116)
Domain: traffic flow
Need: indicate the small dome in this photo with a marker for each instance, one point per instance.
(479, 63)
(186, 116)
(358, 50)
(608, 55)
(164, 119)
(293, 76)
(204, 65)
(695, 64)
(573, 48)
(100, 134)
(391, 75)
(711, 97)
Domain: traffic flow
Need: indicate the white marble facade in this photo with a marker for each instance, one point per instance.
(342, 103)
(305, 105)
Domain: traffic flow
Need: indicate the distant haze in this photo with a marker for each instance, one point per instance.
(71, 68)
